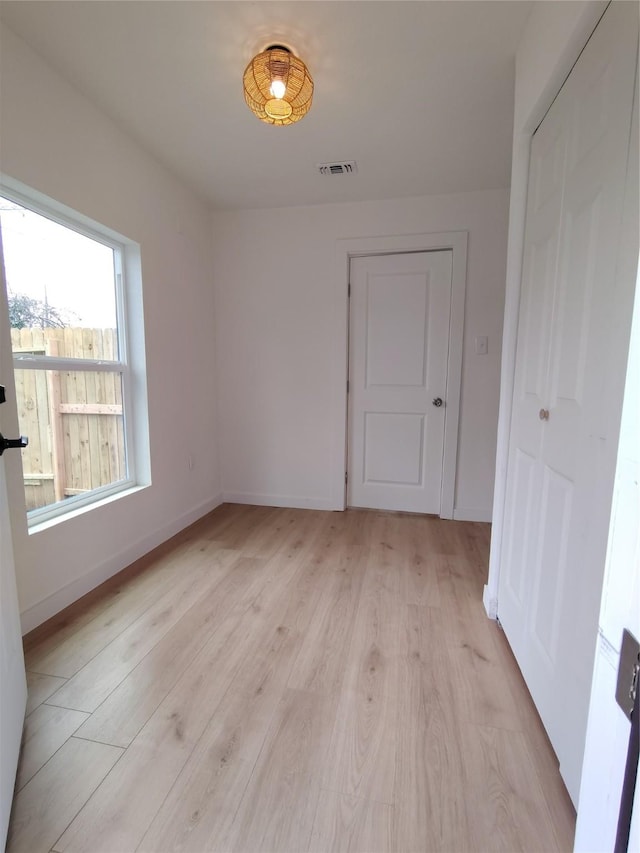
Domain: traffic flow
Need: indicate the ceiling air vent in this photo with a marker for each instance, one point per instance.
(345, 167)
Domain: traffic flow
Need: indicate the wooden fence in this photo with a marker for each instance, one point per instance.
(73, 418)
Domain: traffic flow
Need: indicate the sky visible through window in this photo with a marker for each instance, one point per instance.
(66, 271)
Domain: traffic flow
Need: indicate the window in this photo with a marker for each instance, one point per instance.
(73, 377)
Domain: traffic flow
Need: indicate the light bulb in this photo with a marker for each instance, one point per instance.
(277, 89)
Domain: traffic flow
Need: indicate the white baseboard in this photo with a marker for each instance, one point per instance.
(464, 513)
(490, 603)
(279, 500)
(57, 601)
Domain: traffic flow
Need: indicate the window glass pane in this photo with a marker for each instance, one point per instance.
(57, 279)
(69, 342)
(75, 424)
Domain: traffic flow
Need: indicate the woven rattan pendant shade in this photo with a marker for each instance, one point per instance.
(278, 64)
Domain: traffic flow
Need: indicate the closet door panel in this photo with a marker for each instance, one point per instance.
(554, 558)
(544, 207)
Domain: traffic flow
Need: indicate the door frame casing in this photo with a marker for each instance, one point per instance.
(346, 249)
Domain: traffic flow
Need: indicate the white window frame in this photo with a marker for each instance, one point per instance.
(123, 250)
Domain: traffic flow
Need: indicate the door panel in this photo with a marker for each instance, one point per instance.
(575, 302)
(13, 685)
(548, 600)
(520, 541)
(392, 361)
(535, 339)
(393, 448)
(399, 337)
(570, 322)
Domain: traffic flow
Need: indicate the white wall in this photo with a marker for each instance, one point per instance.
(280, 332)
(55, 141)
(552, 40)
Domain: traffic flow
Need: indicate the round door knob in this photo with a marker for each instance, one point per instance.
(437, 402)
(543, 414)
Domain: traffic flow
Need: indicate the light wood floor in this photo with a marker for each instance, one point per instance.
(287, 680)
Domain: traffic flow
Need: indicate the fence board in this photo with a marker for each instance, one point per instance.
(57, 434)
(79, 413)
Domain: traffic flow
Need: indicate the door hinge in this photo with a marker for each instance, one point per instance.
(349, 290)
(347, 386)
(346, 477)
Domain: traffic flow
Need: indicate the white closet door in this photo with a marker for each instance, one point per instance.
(530, 388)
(561, 466)
(399, 341)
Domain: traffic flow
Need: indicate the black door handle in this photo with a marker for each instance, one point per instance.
(629, 784)
(8, 443)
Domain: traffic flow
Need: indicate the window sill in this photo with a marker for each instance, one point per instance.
(41, 526)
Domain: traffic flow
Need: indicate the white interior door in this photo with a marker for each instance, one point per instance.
(13, 686)
(564, 422)
(398, 345)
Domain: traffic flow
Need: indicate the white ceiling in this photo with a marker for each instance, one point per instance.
(420, 94)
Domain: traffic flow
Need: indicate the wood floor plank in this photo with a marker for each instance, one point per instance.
(430, 794)
(321, 662)
(46, 805)
(89, 687)
(448, 540)
(213, 526)
(507, 810)
(45, 731)
(483, 696)
(39, 688)
(476, 540)
(419, 580)
(558, 802)
(131, 704)
(346, 824)
(545, 761)
(362, 755)
(339, 687)
(235, 534)
(202, 812)
(229, 526)
(279, 805)
(461, 604)
(265, 538)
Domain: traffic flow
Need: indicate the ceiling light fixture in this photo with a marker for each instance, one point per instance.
(277, 86)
